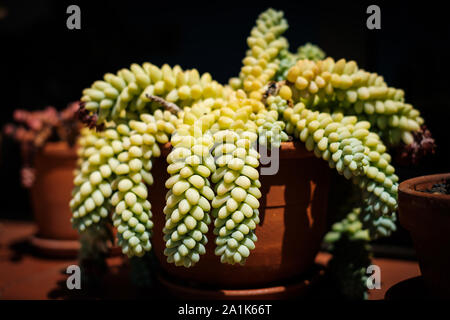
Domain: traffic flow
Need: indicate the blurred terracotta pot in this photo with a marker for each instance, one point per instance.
(293, 222)
(427, 217)
(50, 196)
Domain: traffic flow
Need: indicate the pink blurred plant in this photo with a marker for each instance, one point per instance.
(33, 129)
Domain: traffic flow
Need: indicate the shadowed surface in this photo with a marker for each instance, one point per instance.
(24, 275)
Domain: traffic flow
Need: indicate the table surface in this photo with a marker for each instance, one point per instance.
(24, 275)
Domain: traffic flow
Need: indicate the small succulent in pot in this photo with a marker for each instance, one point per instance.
(345, 115)
(33, 129)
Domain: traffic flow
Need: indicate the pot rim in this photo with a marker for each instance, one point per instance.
(59, 149)
(408, 186)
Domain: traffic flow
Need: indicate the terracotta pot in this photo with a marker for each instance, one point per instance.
(50, 196)
(427, 217)
(293, 222)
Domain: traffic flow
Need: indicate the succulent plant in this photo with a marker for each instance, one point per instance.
(345, 115)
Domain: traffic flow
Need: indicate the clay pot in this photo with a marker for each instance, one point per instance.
(50, 196)
(293, 222)
(427, 218)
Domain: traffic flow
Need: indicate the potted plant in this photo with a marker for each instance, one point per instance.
(47, 143)
(204, 141)
(424, 208)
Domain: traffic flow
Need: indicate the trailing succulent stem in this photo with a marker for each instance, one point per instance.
(342, 87)
(262, 59)
(188, 200)
(348, 267)
(93, 253)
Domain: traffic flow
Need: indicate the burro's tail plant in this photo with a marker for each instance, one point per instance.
(345, 115)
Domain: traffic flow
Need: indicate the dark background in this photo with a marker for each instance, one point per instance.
(43, 63)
